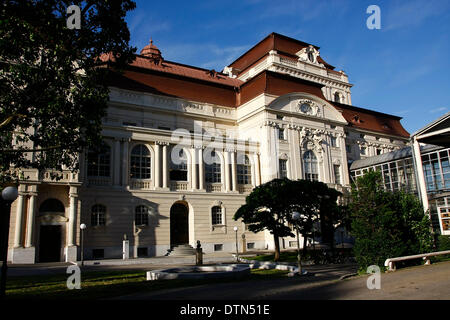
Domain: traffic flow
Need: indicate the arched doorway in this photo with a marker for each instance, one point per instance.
(179, 224)
(51, 217)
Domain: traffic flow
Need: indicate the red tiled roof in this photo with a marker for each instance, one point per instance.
(181, 70)
(371, 120)
(149, 72)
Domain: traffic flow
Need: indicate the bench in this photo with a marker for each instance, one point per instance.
(425, 256)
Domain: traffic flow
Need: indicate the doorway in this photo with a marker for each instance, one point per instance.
(50, 243)
(179, 224)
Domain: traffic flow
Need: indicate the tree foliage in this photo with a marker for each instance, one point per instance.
(270, 207)
(386, 224)
(53, 90)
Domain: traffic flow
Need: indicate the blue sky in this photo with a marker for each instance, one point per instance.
(401, 69)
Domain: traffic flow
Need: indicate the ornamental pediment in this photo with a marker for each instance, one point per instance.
(309, 55)
(308, 107)
(52, 218)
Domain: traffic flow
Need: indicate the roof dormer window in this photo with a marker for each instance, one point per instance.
(356, 119)
(337, 97)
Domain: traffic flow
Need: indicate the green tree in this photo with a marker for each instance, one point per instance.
(53, 86)
(270, 206)
(386, 224)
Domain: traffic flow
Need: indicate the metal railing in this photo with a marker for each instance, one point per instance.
(390, 263)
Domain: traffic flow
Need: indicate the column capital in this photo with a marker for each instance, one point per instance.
(162, 143)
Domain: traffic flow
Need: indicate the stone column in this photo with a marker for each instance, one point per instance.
(257, 169)
(71, 248)
(72, 217)
(19, 221)
(421, 184)
(253, 171)
(125, 173)
(157, 165)
(345, 173)
(194, 168)
(30, 220)
(227, 171)
(116, 162)
(201, 172)
(234, 170)
(164, 167)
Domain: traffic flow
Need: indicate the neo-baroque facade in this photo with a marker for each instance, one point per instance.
(183, 146)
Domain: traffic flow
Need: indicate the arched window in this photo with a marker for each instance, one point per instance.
(213, 171)
(244, 171)
(216, 215)
(337, 97)
(140, 162)
(311, 166)
(98, 215)
(98, 161)
(141, 216)
(178, 166)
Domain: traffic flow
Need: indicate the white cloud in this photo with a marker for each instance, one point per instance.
(407, 14)
(216, 57)
(440, 110)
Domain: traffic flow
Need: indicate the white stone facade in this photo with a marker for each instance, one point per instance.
(309, 124)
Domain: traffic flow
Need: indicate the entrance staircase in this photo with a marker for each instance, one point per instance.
(181, 250)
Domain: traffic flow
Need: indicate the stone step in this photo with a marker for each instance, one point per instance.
(182, 250)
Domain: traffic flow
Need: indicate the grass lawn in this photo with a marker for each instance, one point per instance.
(100, 285)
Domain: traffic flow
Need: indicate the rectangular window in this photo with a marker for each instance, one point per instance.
(337, 173)
(216, 216)
(334, 142)
(250, 245)
(292, 244)
(244, 173)
(363, 151)
(213, 170)
(218, 247)
(283, 168)
(444, 215)
(281, 135)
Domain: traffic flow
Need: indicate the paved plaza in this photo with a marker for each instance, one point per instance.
(422, 282)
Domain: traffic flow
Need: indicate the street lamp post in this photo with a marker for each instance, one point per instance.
(82, 227)
(237, 248)
(9, 194)
(296, 218)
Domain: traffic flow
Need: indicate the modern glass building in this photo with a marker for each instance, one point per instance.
(398, 172)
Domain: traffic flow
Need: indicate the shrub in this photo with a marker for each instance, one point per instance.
(443, 243)
(386, 224)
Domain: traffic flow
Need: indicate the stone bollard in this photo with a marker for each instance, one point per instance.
(244, 244)
(125, 248)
